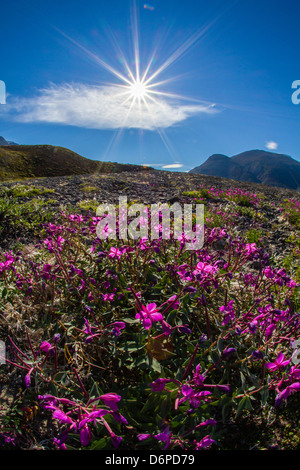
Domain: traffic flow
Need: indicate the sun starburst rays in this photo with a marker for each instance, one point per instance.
(138, 92)
(132, 94)
(136, 86)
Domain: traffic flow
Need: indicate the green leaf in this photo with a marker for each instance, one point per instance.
(245, 403)
(264, 396)
(100, 444)
(154, 364)
(61, 377)
(4, 292)
(220, 345)
(130, 320)
(243, 380)
(241, 406)
(95, 391)
(166, 405)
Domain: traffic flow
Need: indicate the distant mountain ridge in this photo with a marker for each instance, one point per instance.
(33, 161)
(255, 166)
(6, 142)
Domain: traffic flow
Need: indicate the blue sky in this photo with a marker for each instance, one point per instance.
(220, 76)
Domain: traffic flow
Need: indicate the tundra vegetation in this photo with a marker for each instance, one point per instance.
(143, 344)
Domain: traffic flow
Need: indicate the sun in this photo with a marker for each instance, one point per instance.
(138, 90)
(139, 86)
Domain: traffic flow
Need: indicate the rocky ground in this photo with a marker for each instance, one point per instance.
(148, 186)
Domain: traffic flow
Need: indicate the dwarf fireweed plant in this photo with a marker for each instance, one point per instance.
(143, 344)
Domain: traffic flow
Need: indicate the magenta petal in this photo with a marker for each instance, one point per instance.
(111, 399)
(295, 386)
(116, 440)
(280, 358)
(27, 378)
(151, 306)
(159, 384)
(61, 416)
(202, 394)
(271, 366)
(209, 422)
(156, 316)
(142, 437)
(98, 413)
(147, 323)
(85, 435)
(187, 391)
(206, 442)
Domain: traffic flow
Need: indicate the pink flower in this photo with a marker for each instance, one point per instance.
(165, 437)
(106, 230)
(62, 417)
(85, 435)
(250, 249)
(204, 269)
(107, 297)
(279, 362)
(27, 378)
(149, 314)
(159, 384)
(115, 253)
(143, 243)
(111, 399)
(174, 301)
(207, 441)
(142, 437)
(294, 372)
(228, 312)
(117, 327)
(269, 272)
(287, 392)
(46, 347)
(193, 397)
(269, 330)
(116, 440)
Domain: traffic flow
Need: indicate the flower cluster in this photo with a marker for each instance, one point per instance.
(145, 344)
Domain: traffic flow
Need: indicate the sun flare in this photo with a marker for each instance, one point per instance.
(138, 90)
(135, 99)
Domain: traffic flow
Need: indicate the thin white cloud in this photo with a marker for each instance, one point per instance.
(173, 165)
(271, 145)
(153, 164)
(101, 107)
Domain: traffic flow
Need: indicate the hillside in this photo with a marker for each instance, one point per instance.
(256, 166)
(31, 161)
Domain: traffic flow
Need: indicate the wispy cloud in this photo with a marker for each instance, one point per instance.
(173, 165)
(271, 145)
(101, 107)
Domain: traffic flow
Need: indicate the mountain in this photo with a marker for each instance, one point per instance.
(224, 167)
(255, 166)
(30, 161)
(6, 142)
(3, 141)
